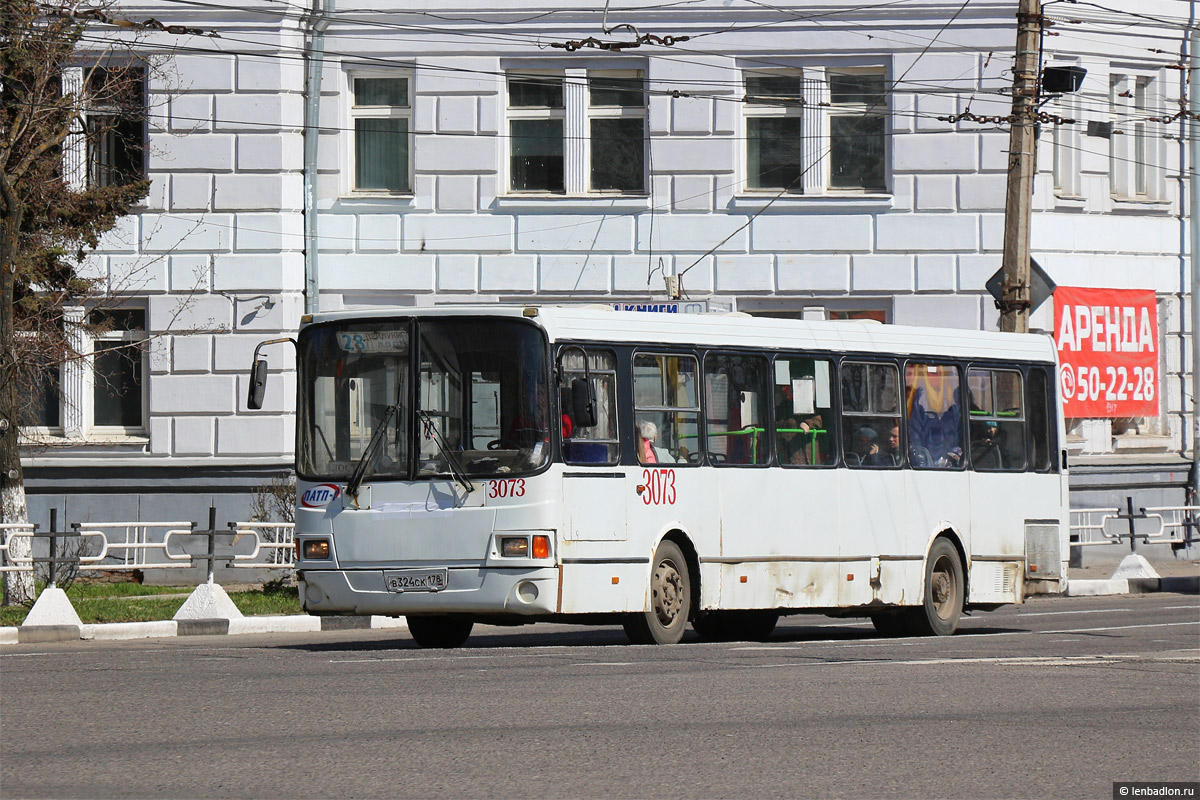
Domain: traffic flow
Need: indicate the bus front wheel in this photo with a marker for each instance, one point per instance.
(670, 600)
(944, 593)
(439, 631)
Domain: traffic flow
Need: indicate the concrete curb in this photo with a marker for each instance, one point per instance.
(1189, 584)
(116, 631)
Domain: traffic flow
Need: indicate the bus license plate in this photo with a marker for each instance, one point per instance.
(415, 580)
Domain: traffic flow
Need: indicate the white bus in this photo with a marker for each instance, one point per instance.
(512, 465)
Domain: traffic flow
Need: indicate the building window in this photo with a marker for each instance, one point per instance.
(617, 134)
(115, 119)
(577, 131)
(537, 119)
(40, 394)
(816, 130)
(96, 385)
(118, 355)
(1133, 156)
(381, 113)
(857, 106)
(774, 132)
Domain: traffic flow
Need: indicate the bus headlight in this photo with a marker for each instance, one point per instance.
(514, 546)
(316, 548)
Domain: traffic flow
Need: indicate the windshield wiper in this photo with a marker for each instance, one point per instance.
(456, 469)
(360, 469)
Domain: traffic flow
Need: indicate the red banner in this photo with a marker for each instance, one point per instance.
(1107, 350)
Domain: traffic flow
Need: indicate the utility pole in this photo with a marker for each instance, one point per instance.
(1014, 308)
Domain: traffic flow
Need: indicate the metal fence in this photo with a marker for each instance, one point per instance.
(143, 546)
(1173, 525)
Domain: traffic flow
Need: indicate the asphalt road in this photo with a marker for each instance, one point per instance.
(1057, 698)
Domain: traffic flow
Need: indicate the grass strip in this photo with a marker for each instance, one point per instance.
(131, 602)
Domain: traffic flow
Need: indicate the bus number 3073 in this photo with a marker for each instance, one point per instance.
(507, 487)
(658, 487)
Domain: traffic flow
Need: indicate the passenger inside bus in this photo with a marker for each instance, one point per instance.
(647, 433)
(985, 445)
(795, 443)
(866, 446)
(890, 455)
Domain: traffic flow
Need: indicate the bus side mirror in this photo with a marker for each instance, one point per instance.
(583, 403)
(258, 384)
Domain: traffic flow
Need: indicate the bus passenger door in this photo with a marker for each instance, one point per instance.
(593, 484)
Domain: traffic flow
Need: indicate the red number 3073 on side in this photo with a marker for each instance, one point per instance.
(658, 487)
(508, 487)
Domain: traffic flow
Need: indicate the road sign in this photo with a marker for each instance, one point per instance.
(1040, 285)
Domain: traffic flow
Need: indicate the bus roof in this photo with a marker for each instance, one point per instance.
(602, 324)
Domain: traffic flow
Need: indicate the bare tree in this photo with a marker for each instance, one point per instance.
(72, 163)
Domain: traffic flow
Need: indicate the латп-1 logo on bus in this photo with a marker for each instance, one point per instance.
(320, 495)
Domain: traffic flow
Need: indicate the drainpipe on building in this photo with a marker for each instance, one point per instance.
(1193, 239)
(314, 59)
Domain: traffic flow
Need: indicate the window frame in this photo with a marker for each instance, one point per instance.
(134, 340)
(355, 112)
(576, 115)
(832, 426)
(816, 110)
(699, 456)
(874, 111)
(768, 457)
(54, 373)
(112, 137)
(845, 417)
(777, 110)
(614, 408)
(597, 112)
(1019, 370)
(1135, 155)
(963, 443)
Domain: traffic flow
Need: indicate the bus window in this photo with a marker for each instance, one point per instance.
(736, 408)
(804, 411)
(997, 420)
(1041, 421)
(666, 408)
(933, 405)
(598, 443)
(871, 415)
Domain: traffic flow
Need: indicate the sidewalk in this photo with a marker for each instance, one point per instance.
(1152, 569)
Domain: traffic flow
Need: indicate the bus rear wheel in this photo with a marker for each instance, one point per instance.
(670, 600)
(944, 593)
(733, 626)
(440, 631)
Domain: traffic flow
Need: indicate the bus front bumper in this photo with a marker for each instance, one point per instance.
(528, 591)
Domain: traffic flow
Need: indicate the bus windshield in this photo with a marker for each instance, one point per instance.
(480, 398)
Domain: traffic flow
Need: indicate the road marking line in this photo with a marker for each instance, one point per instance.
(1058, 613)
(1054, 661)
(964, 637)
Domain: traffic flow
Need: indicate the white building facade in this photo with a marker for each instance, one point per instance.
(828, 160)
